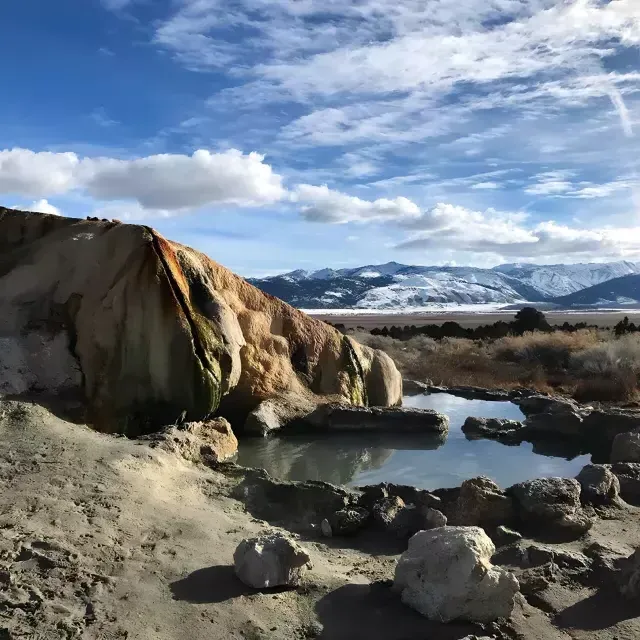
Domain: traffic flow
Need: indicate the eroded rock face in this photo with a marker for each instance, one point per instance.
(628, 474)
(270, 561)
(446, 574)
(209, 442)
(551, 506)
(534, 404)
(158, 330)
(482, 503)
(599, 485)
(626, 447)
(341, 417)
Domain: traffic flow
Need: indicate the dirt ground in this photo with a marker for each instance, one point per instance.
(471, 320)
(104, 538)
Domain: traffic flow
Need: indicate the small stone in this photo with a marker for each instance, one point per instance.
(325, 528)
(504, 536)
(270, 561)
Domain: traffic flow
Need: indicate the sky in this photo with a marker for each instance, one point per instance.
(283, 134)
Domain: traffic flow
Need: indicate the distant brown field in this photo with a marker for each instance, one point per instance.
(371, 321)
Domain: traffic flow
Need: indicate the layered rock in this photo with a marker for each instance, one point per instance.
(150, 330)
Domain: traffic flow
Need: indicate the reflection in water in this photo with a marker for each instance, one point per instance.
(423, 461)
(335, 458)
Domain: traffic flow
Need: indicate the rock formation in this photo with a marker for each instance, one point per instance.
(152, 331)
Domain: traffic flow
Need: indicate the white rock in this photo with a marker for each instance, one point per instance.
(272, 560)
(446, 574)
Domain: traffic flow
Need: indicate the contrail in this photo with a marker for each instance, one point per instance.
(625, 119)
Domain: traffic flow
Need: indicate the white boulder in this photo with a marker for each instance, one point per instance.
(269, 561)
(446, 574)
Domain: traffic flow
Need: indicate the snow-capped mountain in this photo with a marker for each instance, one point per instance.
(398, 286)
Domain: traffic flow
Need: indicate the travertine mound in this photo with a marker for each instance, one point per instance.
(153, 331)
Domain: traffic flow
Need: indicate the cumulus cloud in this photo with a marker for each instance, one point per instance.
(162, 182)
(321, 204)
(505, 235)
(24, 172)
(42, 206)
(171, 181)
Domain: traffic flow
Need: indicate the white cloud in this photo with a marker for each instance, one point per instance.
(41, 206)
(160, 182)
(100, 117)
(485, 185)
(505, 235)
(172, 181)
(26, 173)
(321, 204)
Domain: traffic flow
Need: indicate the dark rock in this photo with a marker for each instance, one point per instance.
(298, 505)
(599, 485)
(551, 506)
(492, 428)
(560, 423)
(473, 393)
(348, 521)
(409, 495)
(386, 510)
(538, 578)
(415, 387)
(628, 474)
(342, 417)
(482, 503)
(626, 447)
(536, 554)
(504, 536)
(607, 563)
(605, 425)
(629, 577)
(392, 515)
(530, 405)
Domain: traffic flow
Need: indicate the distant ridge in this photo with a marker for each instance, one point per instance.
(396, 286)
(618, 291)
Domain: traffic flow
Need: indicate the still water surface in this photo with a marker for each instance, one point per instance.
(423, 461)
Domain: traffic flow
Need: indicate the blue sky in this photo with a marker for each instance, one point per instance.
(282, 134)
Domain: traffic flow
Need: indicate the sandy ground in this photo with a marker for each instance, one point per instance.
(104, 538)
(466, 319)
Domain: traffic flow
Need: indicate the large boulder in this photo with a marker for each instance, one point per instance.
(446, 574)
(599, 485)
(268, 561)
(557, 424)
(481, 503)
(551, 506)
(626, 447)
(149, 330)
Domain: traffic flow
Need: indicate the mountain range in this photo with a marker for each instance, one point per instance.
(395, 286)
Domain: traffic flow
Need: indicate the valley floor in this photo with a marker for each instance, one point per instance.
(105, 538)
(465, 318)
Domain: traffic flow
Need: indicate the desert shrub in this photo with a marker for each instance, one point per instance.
(552, 351)
(608, 370)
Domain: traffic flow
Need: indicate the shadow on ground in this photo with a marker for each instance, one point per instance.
(374, 612)
(597, 612)
(209, 585)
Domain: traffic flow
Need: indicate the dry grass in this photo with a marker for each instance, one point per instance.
(591, 365)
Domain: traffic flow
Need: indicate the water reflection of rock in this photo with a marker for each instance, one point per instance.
(336, 458)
